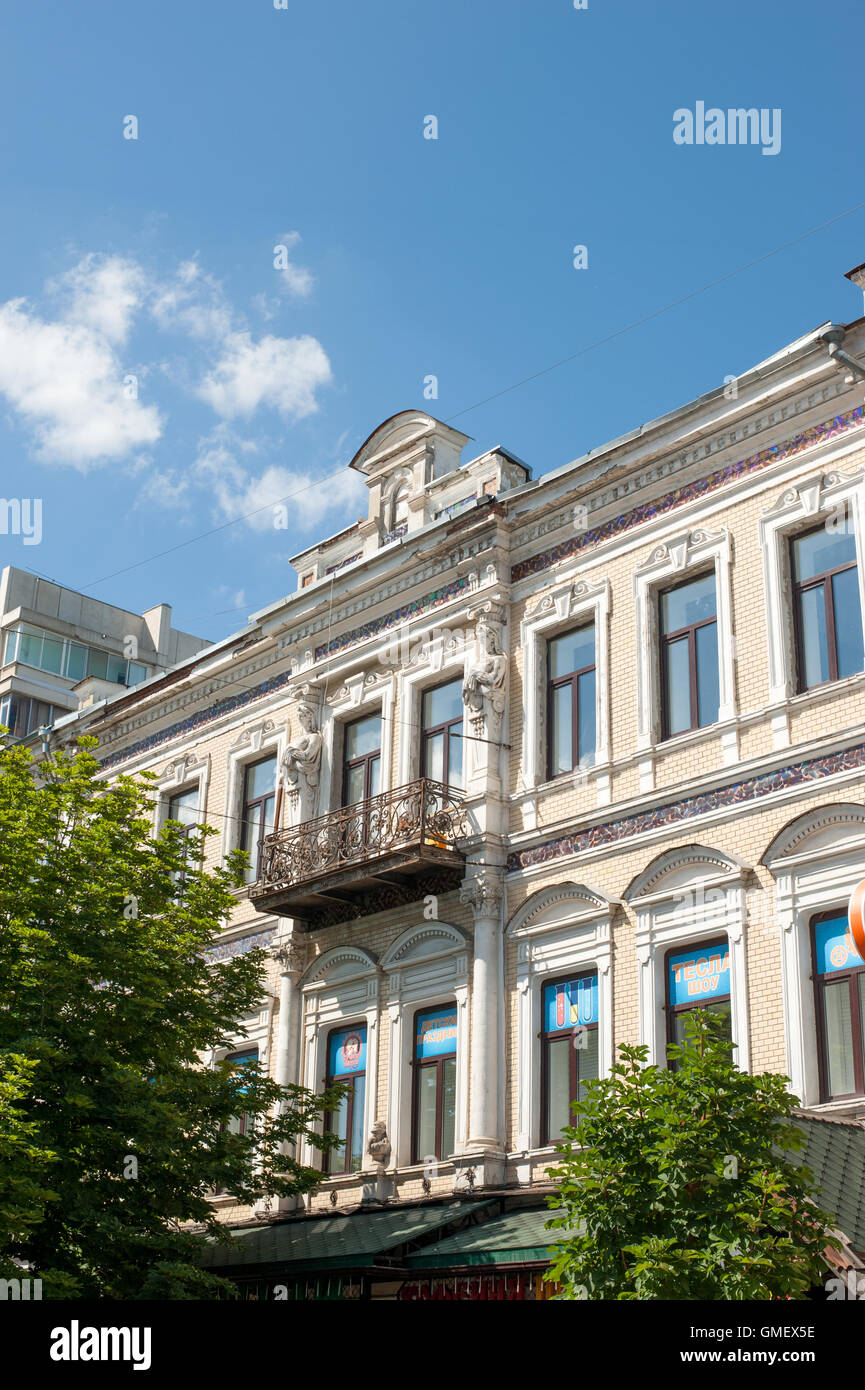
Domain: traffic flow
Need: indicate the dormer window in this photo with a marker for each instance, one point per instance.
(399, 508)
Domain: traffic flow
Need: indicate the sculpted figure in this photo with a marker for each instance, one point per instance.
(379, 1145)
(484, 685)
(301, 762)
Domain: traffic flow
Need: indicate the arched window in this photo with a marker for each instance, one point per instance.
(399, 508)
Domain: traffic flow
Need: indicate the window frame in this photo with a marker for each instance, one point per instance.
(245, 806)
(545, 1035)
(672, 1011)
(798, 587)
(858, 1040)
(444, 729)
(328, 1158)
(571, 678)
(666, 640)
(417, 1065)
(364, 760)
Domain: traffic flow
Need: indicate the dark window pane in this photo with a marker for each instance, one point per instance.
(184, 807)
(52, 656)
(687, 604)
(558, 1086)
(455, 757)
(839, 1037)
(442, 704)
(708, 689)
(562, 730)
(435, 751)
(449, 1105)
(117, 669)
(76, 661)
(426, 1112)
(678, 687)
(815, 649)
(363, 736)
(30, 650)
(572, 651)
(822, 550)
(97, 664)
(848, 622)
(375, 776)
(354, 785)
(356, 1137)
(586, 717)
(587, 1060)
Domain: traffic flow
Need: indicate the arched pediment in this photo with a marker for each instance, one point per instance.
(685, 867)
(400, 435)
(421, 942)
(340, 963)
(560, 905)
(836, 828)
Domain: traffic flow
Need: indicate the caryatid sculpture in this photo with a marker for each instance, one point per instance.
(300, 766)
(485, 684)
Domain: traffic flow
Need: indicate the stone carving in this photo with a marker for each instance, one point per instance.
(379, 1147)
(483, 893)
(485, 684)
(300, 766)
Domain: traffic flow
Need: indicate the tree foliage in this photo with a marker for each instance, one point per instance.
(676, 1183)
(112, 1131)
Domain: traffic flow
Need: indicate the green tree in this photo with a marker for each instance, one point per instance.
(24, 1166)
(675, 1183)
(108, 1005)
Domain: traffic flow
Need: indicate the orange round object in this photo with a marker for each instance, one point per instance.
(856, 917)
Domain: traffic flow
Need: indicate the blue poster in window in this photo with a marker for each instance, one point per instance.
(347, 1051)
(835, 947)
(571, 1004)
(435, 1033)
(241, 1060)
(698, 975)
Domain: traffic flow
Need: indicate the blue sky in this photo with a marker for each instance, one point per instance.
(407, 257)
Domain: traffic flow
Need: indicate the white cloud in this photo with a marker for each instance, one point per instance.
(293, 279)
(283, 373)
(194, 303)
(103, 294)
(242, 493)
(66, 381)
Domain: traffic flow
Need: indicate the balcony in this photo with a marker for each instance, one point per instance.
(390, 850)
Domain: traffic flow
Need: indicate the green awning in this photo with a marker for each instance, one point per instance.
(337, 1241)
(835, 1153)
(520, 1237)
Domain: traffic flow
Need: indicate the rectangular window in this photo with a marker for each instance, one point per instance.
(434, 1083)
(442, 734)
(698, 977)
(73, 660)
(690, 685)
(839, 983)
(361, 760)
(259, 797)
(23, 716)
(569, 1049)
(571, 701)
(346, 1061)
(827, 611)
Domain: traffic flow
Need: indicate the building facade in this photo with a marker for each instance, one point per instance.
(526, 769)
(60, 649)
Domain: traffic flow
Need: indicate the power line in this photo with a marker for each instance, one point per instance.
(496, 395)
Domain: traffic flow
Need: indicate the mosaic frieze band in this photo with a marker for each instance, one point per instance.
(388, 620)
(241, 944)
(646, 511)
(733, 794)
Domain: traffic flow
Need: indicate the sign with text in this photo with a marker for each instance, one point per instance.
(436, 1032)
(699, 974)
(835, 947)
(347, 1051)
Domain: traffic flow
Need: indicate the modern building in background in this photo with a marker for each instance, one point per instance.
(60, 649)
(526, 770)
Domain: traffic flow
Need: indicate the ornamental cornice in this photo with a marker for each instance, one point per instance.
(809, 494)
(679, 550)
(650, 474)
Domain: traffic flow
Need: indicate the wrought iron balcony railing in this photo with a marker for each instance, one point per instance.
(407, 831)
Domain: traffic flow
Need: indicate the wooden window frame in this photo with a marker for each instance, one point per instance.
(247, 805)
(672, 1011)
(443, 728)
(820, 1015)
(799, 587)
(546, 1035)
(346, 1155)
(570, 678)
(418, 1064)
(364, 760)
(666, 639)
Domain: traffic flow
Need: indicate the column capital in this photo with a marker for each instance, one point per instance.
(483, 892)
(289, 955)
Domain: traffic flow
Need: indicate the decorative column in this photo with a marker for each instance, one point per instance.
(290, 958)
(485, 1150)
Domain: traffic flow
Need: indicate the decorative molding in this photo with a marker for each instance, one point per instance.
(483, 893)
(239, 945)
(671, 501)
(671, 813)
(392, 619)
(649, 881)
(789, 842)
